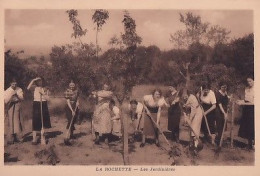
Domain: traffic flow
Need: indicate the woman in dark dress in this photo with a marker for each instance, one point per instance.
(247, 123)
(72, 108)
(208, 101)
(41, 97)
(221, 110)
(174, 112)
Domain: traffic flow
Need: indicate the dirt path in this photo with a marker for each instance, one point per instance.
(84, 152)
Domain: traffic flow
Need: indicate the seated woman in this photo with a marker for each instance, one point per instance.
(152, 104)
(102, 124)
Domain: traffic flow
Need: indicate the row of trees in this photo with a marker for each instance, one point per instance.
(202, 52)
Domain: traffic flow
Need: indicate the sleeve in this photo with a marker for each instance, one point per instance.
(146, 98)
(7, 95)
(105, 94)
(213, 98)
(162, 102)
(139, 108)
(20, 94)
(116, 112)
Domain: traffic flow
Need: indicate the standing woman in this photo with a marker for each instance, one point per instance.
(194, 112)
(221, 110)
(152, 104)
(72, 108)
(13, 97)
(174, 112)
(208, 101)
(247, 123)
(102, 117)
(40, 95)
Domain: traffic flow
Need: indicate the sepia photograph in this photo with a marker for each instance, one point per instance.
(129, 87)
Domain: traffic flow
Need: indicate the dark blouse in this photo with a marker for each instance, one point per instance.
(222, 99)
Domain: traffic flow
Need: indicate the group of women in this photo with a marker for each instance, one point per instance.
(205, 112)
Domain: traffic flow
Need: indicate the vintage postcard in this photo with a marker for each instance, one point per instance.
(129, 87)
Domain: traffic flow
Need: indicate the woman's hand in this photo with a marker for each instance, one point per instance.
(225, 116)
(73, 113)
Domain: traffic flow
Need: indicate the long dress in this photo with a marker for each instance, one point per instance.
(195, 115)
(220, 119)
(174, 115)
(247, 123)
(72, 96)
(36, 119)
(14, 109)
(102, 115)
(149, 128)
(116, 124)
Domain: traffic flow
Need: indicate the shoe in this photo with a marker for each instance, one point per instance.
(142, 145)
(34, 143)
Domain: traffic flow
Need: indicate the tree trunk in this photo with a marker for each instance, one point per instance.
(125, 117)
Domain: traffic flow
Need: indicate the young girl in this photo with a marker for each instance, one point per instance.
(40, 98)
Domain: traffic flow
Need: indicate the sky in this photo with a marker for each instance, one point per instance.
(36, 31)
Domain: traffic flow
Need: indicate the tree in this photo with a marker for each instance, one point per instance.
(99, 17)
(78, 32)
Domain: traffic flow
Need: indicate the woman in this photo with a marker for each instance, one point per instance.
(102, 124)
(221, 110)
(115, 118)
(194, 112)
(208, 101)
(40, 98)
(152, 104)
(247, 124)
(13, 97)
(72, 108)
(174, 112)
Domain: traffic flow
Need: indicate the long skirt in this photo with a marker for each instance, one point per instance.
(69, 116)
(36, 119)
(116, 127)
(102, 119)
(211, 118)
(149, 128)
(174, 116)
(14, 117)
(220, 121)
(247, 123)
(196, 121)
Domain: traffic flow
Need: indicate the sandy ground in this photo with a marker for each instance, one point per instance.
(84, 152)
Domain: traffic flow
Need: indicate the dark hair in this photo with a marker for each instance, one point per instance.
(173, 85)
(222, 83)
(205, 86)
(43, 81)
(112, 102)
(133, 102)
(157, 90)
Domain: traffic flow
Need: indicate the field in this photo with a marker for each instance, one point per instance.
(84, 152)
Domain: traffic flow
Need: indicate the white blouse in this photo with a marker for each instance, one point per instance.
(208, 99)
(8, 94)
(37, 94)
(149, 100)
(249, 94)
(116, 112)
